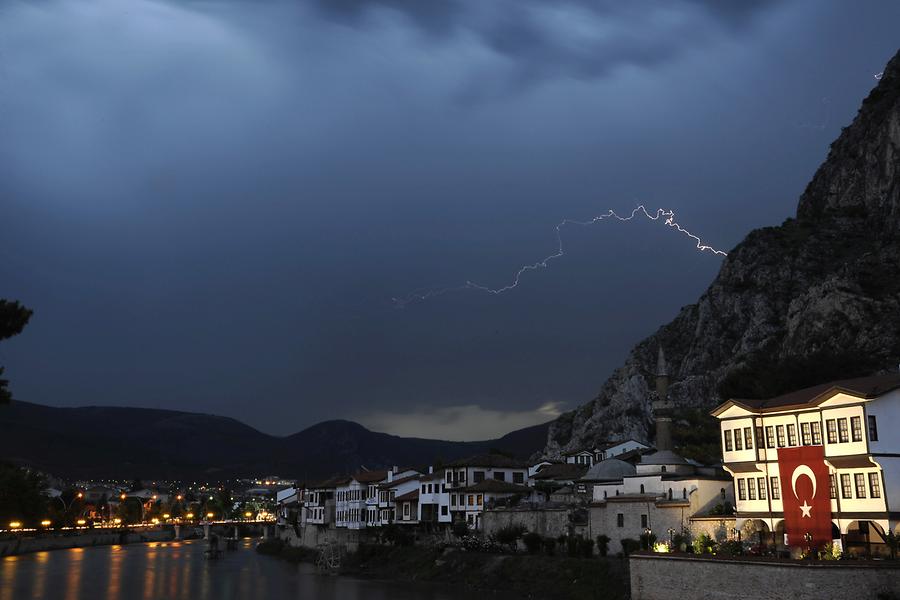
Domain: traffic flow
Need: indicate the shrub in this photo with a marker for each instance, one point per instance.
(587, 548)
(630, 545)
(550, 546)
(533, 542)
(509, 535)
(460, 529)
(730, 548)
(603, 544)
(572, 544)
(704, 545)
(647, 541)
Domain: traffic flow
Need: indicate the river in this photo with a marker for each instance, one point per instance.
(179, 571)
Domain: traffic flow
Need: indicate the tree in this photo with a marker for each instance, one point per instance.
(21, 497)
(13, 318)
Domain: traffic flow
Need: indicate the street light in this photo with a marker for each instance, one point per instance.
(15, 525)
(46, 523)
(209, 515)
(190, 515)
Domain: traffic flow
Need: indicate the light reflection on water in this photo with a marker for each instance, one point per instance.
(179, 571)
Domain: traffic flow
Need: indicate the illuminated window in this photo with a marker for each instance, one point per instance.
(846, 489)
(776, 491)
(780, 431)
(728, 444)
(748, 438)
(831, 431)
(817, 433)
(843, 434)
(751, 489)
(792, 435)
(738, 444)
(833, 486)
(806, 434)
(761, 484)
(874, 486)
(742, 489)
(856, 428)
(770, 437)
(860, 484)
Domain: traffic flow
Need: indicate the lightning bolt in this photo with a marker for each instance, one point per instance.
(667, 217)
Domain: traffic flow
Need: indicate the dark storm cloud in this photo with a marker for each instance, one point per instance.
(579, 38)
(209, 205)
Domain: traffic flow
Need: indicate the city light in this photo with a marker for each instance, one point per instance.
(117, 521)
(15, 525)
(190, 515)
(46, 523)
(166, 516)
(209, 515)
(79, 495)
(80, 522)
(154, 521)
(122, 497)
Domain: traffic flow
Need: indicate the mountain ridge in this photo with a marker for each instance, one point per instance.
(150, 443)
(814, 299)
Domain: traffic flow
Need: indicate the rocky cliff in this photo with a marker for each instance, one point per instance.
(814, 299)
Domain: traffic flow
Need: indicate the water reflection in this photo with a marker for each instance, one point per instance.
(179, 571)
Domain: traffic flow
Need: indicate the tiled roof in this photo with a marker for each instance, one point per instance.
(396, 482)
(492, 486)
(489, 460)
(370, 476)
(862, 387)
(413, 495)
(563, 471)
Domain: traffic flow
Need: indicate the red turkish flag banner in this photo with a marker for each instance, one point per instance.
(805, 494)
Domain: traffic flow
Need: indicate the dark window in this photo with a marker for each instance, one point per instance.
(843, 434)
(518, 477)
(776, 491)
(792, 435)
(643, 521)
(443, 488)
(780, 430)
(478, 476)
(831, 431)
(860, 484)
(738, 443)
(670, 493)
(728, 446)
(873, 429)
(833, 487)
(761, 483)
(423, 488)
(856, 428)
(620, 520)
(770, 437)
(642, 488)
(874, 486)
(846, 490)
(748, 438)
(760, 441)
(806, 434)
(444, 510)
(500, 475)
(742, 489)
(662, 469)
(684, 493)
(452, 499)
(817, 433)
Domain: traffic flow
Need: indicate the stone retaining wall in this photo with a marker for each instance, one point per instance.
(24, 545)
(663, 577)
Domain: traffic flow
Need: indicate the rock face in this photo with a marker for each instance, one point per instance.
(814, 299)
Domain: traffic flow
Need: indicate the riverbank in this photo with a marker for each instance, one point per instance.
(25, 545)
(527, 576)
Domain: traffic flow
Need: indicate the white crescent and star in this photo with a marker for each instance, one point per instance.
(799, 472)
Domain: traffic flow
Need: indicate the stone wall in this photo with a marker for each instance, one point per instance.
(24, 545)
(548, 522)
(663, 577)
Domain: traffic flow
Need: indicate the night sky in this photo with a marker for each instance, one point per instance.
(211, 204)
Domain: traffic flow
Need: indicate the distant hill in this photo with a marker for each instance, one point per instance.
(128, 443)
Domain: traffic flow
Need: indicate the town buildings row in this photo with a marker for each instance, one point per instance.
(627, 488)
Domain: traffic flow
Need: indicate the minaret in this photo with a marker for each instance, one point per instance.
(662, 408)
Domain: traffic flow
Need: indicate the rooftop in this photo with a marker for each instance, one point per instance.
(489, 460)
(561, 471)
(492, 486)
(861, 387)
